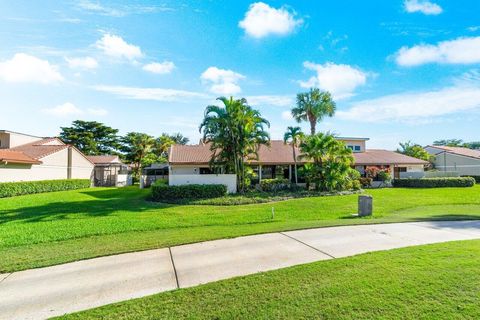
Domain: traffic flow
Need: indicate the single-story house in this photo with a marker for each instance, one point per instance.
(25, 157)
(189, 164)
(463, 161)
(154, 172)
(110, 171)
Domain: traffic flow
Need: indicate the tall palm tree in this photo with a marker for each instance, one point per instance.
(313, 106)
(235, 132)
(293, 136)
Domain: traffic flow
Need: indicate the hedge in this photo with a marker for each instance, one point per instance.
(477, 178)
(434, 182)
(272, 185)
(161, 192)
(11, 189)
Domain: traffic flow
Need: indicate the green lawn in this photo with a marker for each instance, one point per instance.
(52, 228)
(438, 281)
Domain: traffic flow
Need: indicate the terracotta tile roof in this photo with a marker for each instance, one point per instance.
(8, 155)
(105, 159)
(384, 157)
(189, 154)
(41, 148)
(460, 151)
(280, 153)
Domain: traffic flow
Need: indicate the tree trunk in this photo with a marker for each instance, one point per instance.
(295, 161)
(313, 124)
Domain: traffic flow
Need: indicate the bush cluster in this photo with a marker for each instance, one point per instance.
(11, 189)
(162, 192)
(274, 185)
(477, 178)
(434, 182)
(366, 182)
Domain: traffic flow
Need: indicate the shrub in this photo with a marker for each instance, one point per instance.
(272, 185)
(191, 191)
(477, 178)
(366, 182)
(11, 189)
(434, 182)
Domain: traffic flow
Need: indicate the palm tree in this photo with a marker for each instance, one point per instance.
(331, 160)
(234, 132)
(313, 106)
(293, 136)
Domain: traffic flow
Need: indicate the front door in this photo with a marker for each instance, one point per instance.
(397, 171)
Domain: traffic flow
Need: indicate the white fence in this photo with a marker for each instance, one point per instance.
(229, 180)
(428, 174)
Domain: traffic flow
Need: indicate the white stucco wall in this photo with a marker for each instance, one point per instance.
(17, 139)
(456, 163)
(53, 167)
(81, 167)
(230, 180)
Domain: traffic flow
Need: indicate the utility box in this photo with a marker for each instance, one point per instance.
(365, 206)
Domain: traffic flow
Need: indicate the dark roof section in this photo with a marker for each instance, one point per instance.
(105, 159)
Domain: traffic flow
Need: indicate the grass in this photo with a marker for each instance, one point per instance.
(428, 282)
(53, 228)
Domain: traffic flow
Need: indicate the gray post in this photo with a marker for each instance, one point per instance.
(365, 205)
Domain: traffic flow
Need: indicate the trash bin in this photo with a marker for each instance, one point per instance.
(365, 205)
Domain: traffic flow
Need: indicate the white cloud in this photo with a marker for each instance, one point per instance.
(26, 68)
(64, 110)
(84, 63)
(458, 51)
(340, 80)
(159, 68)
(116, 47)
(156, 94)
(287, 115)
(271, 100)
(261, 20)
(416, 107)
(222, 81)
(423, 6)
(97, 112)
(119, 10)
(69, 109)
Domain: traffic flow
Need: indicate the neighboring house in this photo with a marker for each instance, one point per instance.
(25, 157)
(190, 163)
(154, 172)
(110, 171)
(464, 161)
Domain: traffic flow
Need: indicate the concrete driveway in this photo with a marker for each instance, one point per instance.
(52, 291)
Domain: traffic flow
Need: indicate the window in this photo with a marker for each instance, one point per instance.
(206, 171)
(350, 147)
(357, 148)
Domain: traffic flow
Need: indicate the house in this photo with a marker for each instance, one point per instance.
(462, 161)
(24, 157)
(190, 163)
(110, 171)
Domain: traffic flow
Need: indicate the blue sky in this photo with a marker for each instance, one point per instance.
(399, 70)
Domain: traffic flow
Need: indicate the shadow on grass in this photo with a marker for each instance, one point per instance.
(103, 203)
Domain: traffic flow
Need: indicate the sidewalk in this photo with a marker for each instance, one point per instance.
(53, 291)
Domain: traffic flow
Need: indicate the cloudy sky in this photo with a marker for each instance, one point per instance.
(399, 70)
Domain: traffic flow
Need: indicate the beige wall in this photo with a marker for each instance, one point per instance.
(54, 167)
(81, 167)
(353, 143)
(12, 140)
(463, 165)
